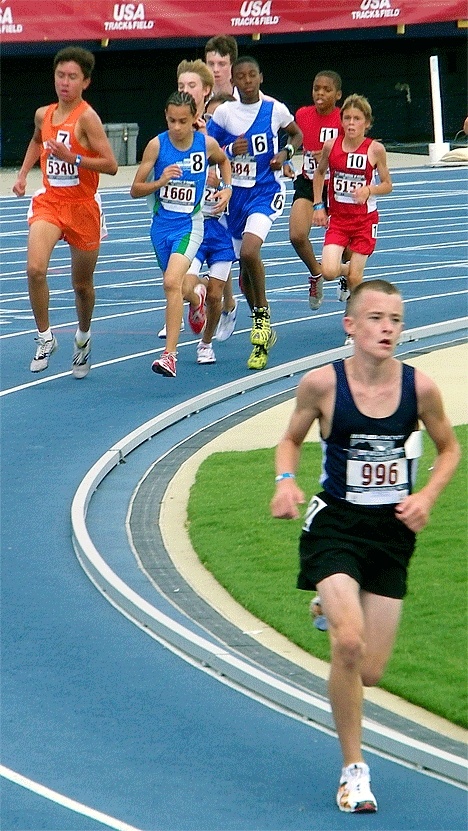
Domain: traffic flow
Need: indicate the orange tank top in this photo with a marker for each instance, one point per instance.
(68, 181)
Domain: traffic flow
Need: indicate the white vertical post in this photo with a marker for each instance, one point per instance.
(436, 102)
(439, 147)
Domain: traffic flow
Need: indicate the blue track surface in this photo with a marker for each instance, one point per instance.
(92, 708)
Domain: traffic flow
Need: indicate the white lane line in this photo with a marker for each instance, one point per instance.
(131, 312)
(72, 323)
(156, 349)
(65, 801)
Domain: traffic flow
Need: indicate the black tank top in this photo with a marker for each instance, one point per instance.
(369, 461)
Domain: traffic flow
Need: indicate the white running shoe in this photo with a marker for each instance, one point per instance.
(162, 332)
(44, 350)
(354, 793)
(315, 292)
(342, 291)
(81, 363)
(227, 323)
(205, 353)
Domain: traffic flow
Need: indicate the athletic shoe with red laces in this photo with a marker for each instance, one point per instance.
(165, 365)
(354, 793)
(315, 291)
(197, 317)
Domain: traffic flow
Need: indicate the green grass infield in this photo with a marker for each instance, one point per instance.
(255, 558)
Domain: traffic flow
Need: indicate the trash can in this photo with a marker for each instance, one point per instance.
(123, 140)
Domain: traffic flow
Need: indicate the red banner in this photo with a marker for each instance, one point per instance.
(24, 21)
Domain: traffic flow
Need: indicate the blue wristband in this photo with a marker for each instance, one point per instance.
(78, 160)
(319, 206)
(284, 476)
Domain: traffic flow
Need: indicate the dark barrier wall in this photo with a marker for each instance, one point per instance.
(132, 86)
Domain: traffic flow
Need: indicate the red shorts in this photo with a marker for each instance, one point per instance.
(81, 223)
(359, 235)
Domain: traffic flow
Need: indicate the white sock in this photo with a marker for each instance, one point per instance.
(47, 335)
(81, 337)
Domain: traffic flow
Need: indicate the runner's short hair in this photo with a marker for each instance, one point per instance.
(334, 77)
(223, 45)
(382, 286)
(359, 102)
(246, 59)
(200, 68)
(182, 99)
(82, 57)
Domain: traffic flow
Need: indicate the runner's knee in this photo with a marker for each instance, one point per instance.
(298, 237)
(36, 273)
(348, 647)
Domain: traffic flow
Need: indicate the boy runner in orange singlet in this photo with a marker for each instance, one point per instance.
(73, 149)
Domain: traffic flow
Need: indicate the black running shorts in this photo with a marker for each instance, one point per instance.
(303, 189)
(369, 544)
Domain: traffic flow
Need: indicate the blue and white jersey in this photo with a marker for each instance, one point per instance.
(371, 461)
(185, 195)
(259, 123)
(210, 203)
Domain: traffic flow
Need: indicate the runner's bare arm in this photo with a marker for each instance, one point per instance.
(378, 154)
(309, 407)
(294, 140)
(414, 511)
(141, 186)
(319, 216)
(32, 154)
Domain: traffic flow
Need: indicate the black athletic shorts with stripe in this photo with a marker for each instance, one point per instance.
(369, 544)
